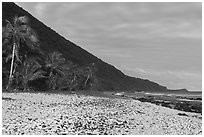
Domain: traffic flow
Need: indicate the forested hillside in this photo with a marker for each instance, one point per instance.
(108, 77)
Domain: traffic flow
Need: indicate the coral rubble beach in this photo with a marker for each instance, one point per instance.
(46, 114)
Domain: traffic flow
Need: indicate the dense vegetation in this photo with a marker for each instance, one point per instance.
(79, 64)
(18, 40)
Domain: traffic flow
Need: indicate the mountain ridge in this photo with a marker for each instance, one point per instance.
(110, 78)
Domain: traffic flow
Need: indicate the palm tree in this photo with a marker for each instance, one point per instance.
(88, 75)
(91, 79)
(75, 77)
(30, 70)
(55, 64)
(14, 34)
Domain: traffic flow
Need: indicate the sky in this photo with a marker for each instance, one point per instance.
(161, 42)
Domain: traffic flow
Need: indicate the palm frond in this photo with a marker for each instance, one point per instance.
(8, 57)
(60, 72)
(30, 39)
(17, 56)
(23, 19)
(9, 25)
(6, 35)
(37, 75)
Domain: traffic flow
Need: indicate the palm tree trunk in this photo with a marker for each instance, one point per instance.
(11, 69)
(86, 82)
(54, 83)
(25, 87)
(71, 85)
(50, 80)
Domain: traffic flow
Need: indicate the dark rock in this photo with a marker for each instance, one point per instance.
(8, 99)
(182, 114)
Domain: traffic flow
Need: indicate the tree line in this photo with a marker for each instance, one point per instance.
(25, 67)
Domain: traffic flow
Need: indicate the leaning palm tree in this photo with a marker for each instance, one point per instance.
(88, 75)
(55, 65)
(29, 71)
(13, 35)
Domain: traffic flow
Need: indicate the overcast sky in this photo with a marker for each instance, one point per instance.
(161, 42)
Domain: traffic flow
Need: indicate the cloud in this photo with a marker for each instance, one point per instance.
(39, 8)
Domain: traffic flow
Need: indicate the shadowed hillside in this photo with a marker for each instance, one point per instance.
(108, 76)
